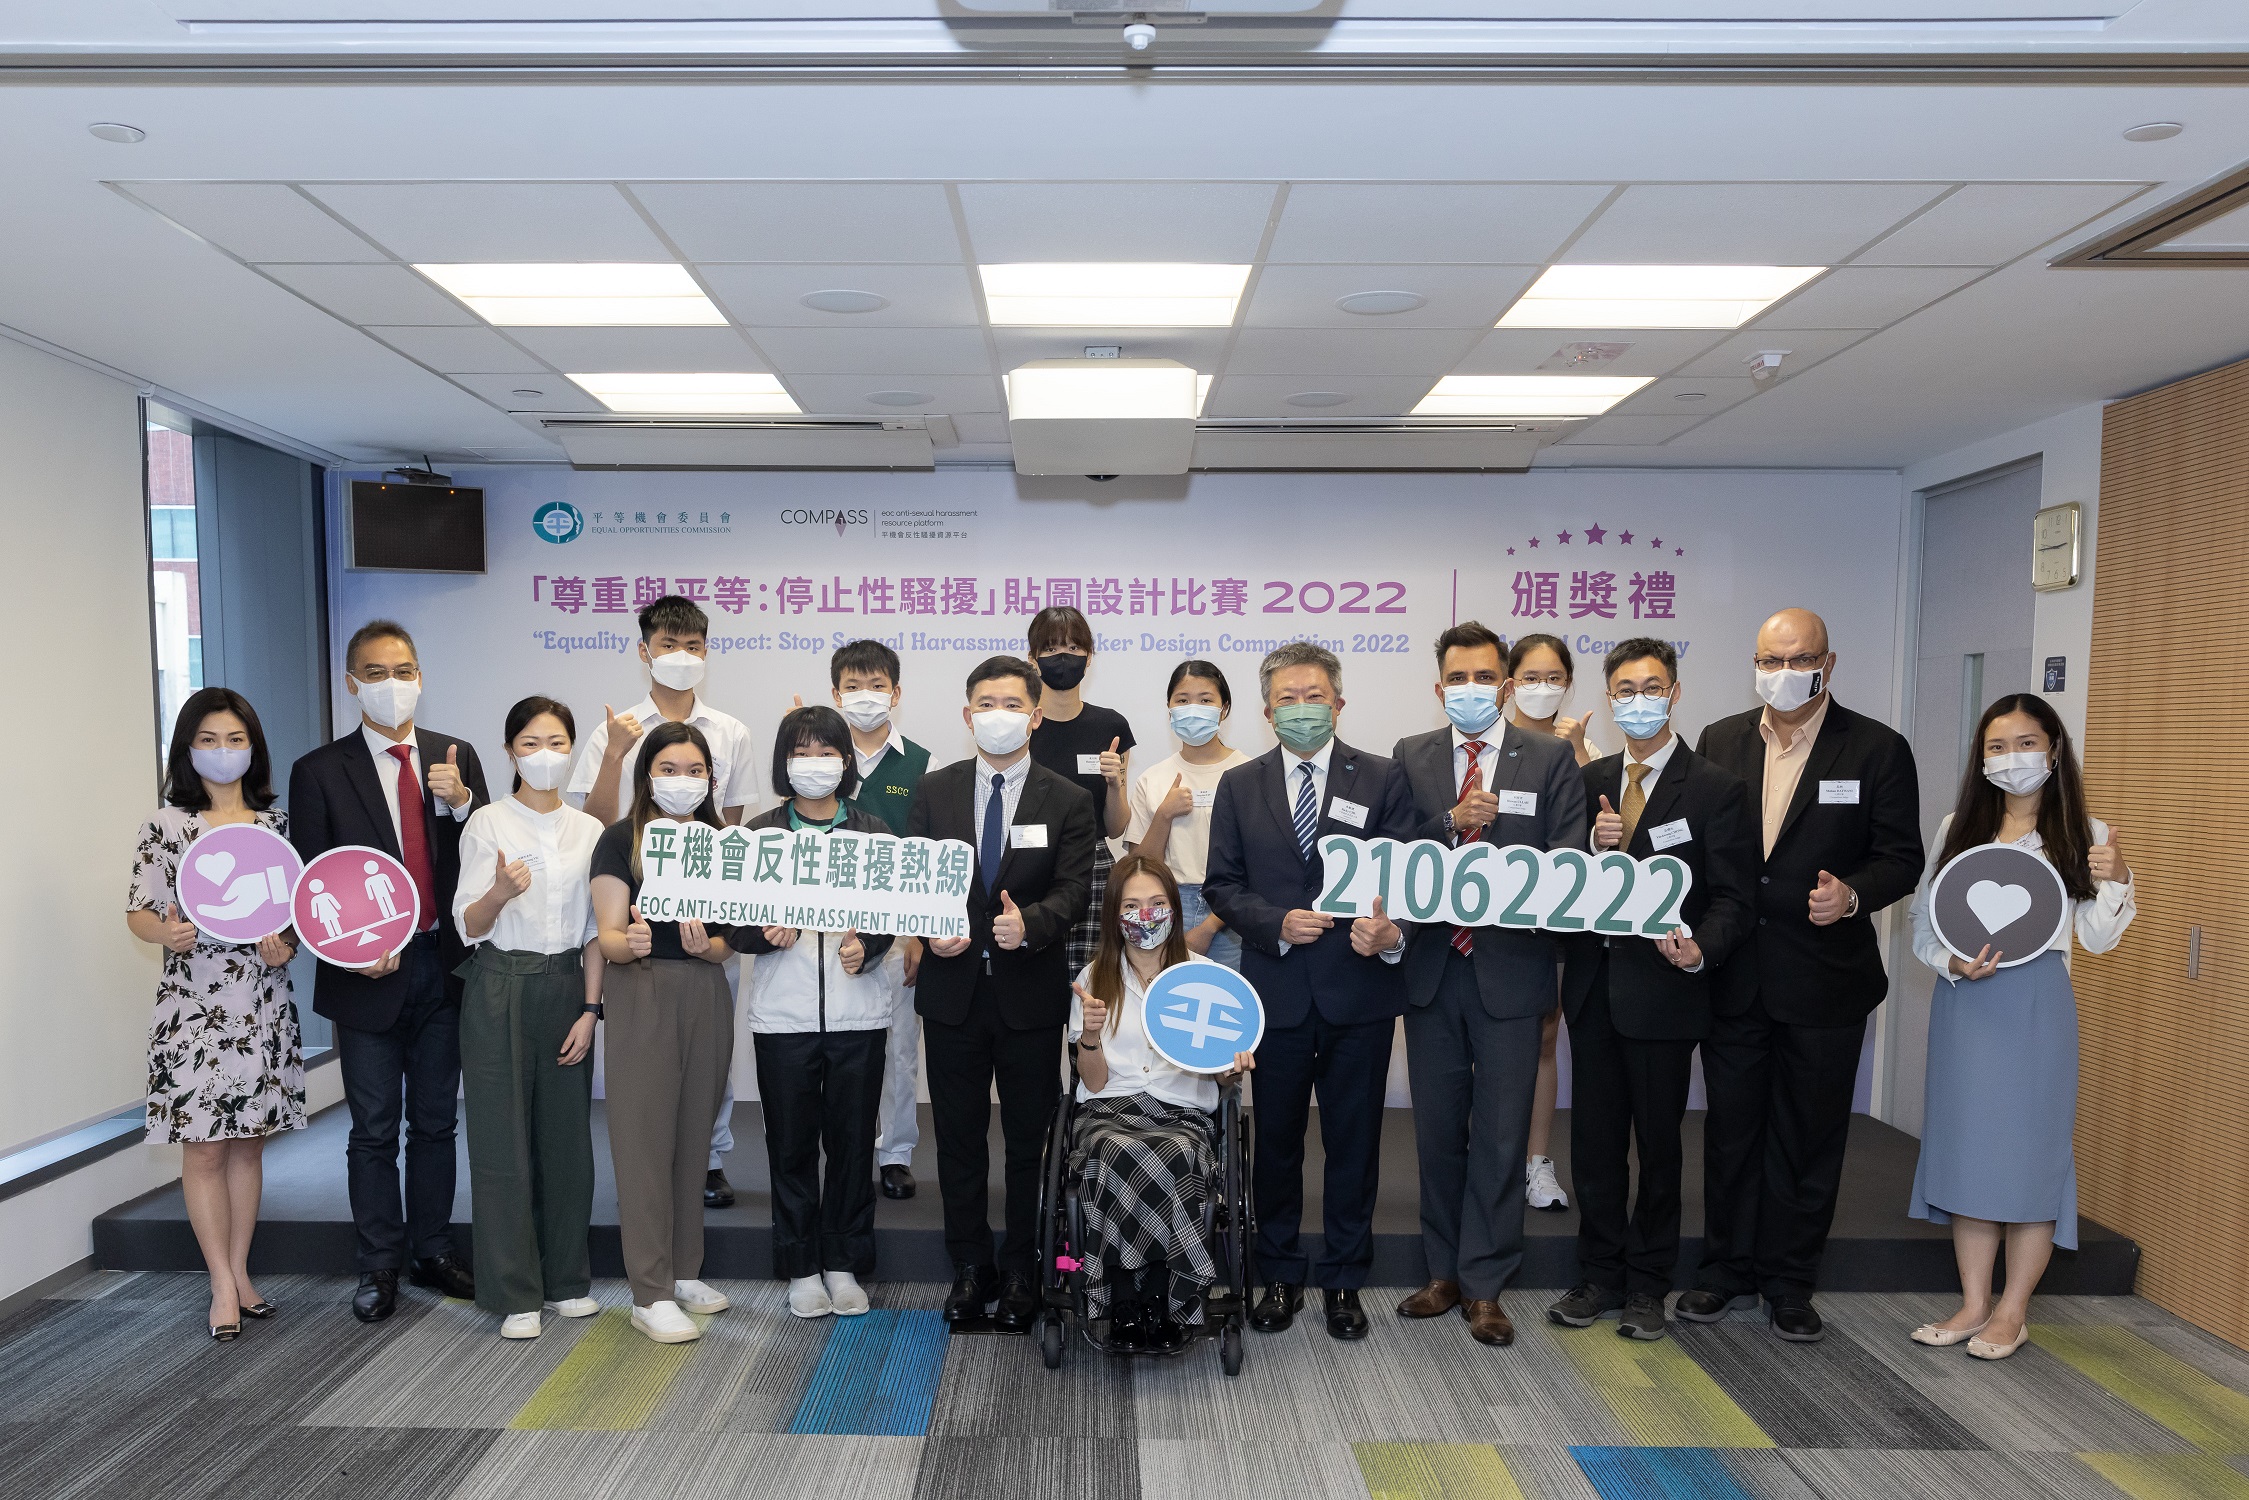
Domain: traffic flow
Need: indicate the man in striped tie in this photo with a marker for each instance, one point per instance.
(1330, 986)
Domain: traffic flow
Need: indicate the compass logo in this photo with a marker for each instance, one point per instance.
(557, 521)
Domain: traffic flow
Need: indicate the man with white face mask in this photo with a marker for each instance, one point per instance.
(1838, 804)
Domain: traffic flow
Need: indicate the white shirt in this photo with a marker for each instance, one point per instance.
(867, 763)
(386, 772)
(1011, 793)
(2099, 923)
(1655, 764)
(556, 914)
(1318, 761)
(733, 772)
(1187, 846)
(1135, 1067)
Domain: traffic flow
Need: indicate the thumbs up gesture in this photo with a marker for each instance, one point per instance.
(852, 953)
(638, 938)
(179, 933)
(1113, 763)
(1831, 900)
(445, 782)
(1608, 827)
(1373, 934)
(1007, 927)
(1178, 802)
(510, 877)
(2105, 861)
(624, 730)
(1093, 1012)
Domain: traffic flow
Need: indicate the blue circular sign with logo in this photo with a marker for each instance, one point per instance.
(1199, 1014)
(557, 521)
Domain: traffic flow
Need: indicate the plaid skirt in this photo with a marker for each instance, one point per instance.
(1145, 1168)
(1086, 935)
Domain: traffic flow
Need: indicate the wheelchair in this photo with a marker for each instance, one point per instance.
(1228, 1211)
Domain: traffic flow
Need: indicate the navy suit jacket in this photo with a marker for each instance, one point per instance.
(1257, 875)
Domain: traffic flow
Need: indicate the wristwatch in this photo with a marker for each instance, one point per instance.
(1449, 829)
(593, 1010)
(1089, 1046)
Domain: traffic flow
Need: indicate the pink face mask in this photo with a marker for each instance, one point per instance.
(1148, 928)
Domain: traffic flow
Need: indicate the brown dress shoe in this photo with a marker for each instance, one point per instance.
(1487, 1324)
(1433, 1300)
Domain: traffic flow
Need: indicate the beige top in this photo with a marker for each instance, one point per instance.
(1784, 764)
(1187, 847)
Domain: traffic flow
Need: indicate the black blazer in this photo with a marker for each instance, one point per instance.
(1050, 886)
(1833, 975)
(1514, 967)
(1650, 998)
(334, 800)
(748, 939)
(1257, 875)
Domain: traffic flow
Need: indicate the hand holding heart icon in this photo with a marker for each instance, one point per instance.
(1997, 906)
(215, 866)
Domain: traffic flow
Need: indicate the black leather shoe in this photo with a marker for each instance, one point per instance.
(1346, 1319)
(444, 1273)
(1582, 1306)
(1702, 1306)
(897, 1181)
(1797, 1321)
(717, 1191)
(1276, 1310)
(260, 1310)
(973, 1288)
(1642, 1317)
(377, 1297)
(1018, 1301)
(1126, 1331)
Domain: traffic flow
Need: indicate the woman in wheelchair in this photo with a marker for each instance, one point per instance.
(1144, 1143)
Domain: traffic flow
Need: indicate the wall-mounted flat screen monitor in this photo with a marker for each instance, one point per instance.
(416, 528)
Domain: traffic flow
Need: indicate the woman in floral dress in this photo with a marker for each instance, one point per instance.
(224, 1067)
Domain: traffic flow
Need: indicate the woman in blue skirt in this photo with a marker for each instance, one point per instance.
(1996, 1162)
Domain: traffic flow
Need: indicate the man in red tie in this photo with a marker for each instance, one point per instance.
(1477, 998)
(388, 785)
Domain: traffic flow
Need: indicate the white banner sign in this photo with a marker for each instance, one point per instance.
(1512, 885)
(828, 882)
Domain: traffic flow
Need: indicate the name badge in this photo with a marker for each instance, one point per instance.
(1089, 765)
(1524, 804)
(1026, 835)
(1839, 791)
(1346, 811)
(532, 860)
(1204, 797)
(1665, 835)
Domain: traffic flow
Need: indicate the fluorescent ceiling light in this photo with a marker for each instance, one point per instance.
(1653, 296)
(657, 294)
(1527, 395)
(1105, 390)
(1113, 295)
(738, 395)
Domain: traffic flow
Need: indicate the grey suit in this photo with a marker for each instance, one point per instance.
(1473, 1021)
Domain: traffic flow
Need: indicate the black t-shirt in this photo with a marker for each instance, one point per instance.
(613, 856)
(1058, 747)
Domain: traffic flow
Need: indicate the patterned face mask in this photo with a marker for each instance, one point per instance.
(1146, 928)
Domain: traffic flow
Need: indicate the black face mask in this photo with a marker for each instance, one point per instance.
(1062, 670)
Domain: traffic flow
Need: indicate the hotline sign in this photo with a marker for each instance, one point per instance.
(235, 880)
(356, 906)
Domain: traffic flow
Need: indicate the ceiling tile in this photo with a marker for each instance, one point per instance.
(1522, 351)
(950, 394)
(655, 350)
(1988, 224)
(1215, 222)
(1745, 223)
(1397, 222)
(1320, 351)
(805, 221)
(1714, 392)
(765, 296)
(1197, 348)
(876, 351)
(981, 429)
(495, 221)
(1867, 296)
(255, 220)
(1806, 348)
(458, 349)
(555, 393)
(1630, 432)
(1267, 395)
(372, 294)
(1458, 296)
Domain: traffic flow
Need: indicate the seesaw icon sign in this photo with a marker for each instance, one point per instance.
(355, 906)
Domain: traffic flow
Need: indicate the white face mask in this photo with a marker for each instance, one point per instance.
(2022, 773)
(390, 702)
(679, 795)
(1787, 691)
(681, 671)
(1539, 700)
(815, 776)
(1000, 731)
(866, 710)
(542, 770)
(218, 765)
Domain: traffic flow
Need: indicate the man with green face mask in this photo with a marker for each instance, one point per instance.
(1332, 989)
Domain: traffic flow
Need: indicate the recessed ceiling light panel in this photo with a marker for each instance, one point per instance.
(1130, 294)
(631, 294)
(1653, 296)
(1527, 395)
(690, 392)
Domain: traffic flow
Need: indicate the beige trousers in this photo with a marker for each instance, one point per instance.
(668, 1042)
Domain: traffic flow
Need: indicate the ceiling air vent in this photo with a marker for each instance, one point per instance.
(689, 442)
(2207, 227)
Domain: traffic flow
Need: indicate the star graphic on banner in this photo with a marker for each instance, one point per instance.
(1534, 541)
(1563, 538)
(1624, 537)
(1593, 534)
(1511, 552)
(1678, 552)
(1657, 542)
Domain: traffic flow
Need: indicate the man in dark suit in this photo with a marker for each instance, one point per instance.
(1838, 806)
(1637, 1005)
(1478, 997)
(993, 1004)
(1331, 992)
(406, 791)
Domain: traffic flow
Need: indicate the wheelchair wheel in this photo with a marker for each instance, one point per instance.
(1052, 1341)
(1230, 1345)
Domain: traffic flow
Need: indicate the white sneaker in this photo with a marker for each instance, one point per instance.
(808, 1297)
(574, 1307)
(698, 1298)
(1541, 1188)
(845, 1293)
(520, 1326)
(665, 1323)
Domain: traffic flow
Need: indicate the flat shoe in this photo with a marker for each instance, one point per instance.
(260, 1311)
(1983, 1349)
(1944, 1338)
(226, 1333)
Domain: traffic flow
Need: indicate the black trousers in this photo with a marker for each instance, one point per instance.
(1780, 1116)
(1627, 1095)
(1348, 1066)
(964, 1061)
(820, 1092)
(411, 1072)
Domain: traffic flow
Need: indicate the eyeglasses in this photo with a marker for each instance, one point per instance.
(1793, 663)
(1627, 694)
(407, 673)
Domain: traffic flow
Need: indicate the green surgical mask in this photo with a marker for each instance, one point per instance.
(1304, 727)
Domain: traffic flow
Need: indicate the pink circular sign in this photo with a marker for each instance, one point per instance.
(234, 882)
(356, 906)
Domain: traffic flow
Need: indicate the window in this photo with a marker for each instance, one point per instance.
(176, 584)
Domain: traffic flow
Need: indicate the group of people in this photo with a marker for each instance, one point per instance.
(1798, 820)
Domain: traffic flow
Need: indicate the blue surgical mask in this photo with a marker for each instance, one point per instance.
(1641, 716)
(1304, 727)
(1473, 707)
(1194, 723)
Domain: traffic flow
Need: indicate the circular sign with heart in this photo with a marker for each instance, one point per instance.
(235, 882)
(1998, 896)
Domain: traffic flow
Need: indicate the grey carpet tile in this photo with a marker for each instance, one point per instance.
(1547, 1471)
(1898, 1474)
(1832, 1394)
(127, 1363)
(41, 1460)
(997, 1386)
(1176, 1470)
(1028, 1469)
(1766, 1474)
(450, 1369)
(2208, 1353)
(95, 1285)
(683, 1466)
(749, 1368)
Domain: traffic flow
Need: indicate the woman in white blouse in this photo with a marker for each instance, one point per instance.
(2001, 1102)
(527, 1022)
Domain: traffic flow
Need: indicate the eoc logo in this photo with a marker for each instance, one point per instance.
(839, 519)
(558, 521)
